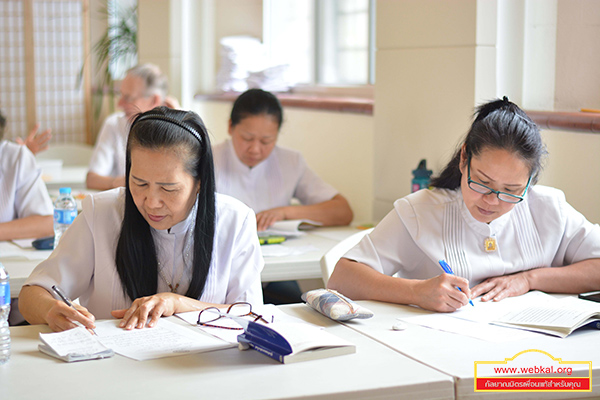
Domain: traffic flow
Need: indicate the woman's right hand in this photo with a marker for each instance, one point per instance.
(61, 317)
(441, 294)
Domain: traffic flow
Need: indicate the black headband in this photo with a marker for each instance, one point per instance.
(171, 120)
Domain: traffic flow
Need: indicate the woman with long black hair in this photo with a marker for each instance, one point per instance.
(181, 247)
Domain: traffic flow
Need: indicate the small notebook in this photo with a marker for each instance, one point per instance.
(77, 344)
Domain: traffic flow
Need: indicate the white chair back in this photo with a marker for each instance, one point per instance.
(334, 254)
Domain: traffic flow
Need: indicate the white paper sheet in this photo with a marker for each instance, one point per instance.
(11, 250)
(166, 339)
(269, 312)
(474, 321)
(280, 250)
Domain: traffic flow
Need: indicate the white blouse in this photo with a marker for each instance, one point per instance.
(83, 264)
(429, 225)
(108, 157)
(272, 183)
(22, 191)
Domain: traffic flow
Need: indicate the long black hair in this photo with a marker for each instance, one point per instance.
(499, 124)
(136, 259)
(256, 102)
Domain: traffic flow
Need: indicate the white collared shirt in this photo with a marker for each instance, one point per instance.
(108, 157)
(83, 264)
(429, 225)
(22, 191)
(274, 182)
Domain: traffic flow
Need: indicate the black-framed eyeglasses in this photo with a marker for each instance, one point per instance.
(503, 196)
(209, 315)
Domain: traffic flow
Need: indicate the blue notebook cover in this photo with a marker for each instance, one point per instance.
(310, 342)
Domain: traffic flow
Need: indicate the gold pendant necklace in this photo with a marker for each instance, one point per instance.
(490, 244)
(162, 275)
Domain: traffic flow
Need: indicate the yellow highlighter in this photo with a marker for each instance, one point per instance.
(271, 239)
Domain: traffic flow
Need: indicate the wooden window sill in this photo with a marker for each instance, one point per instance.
(554, 120)
(356, 105)
(588, 122)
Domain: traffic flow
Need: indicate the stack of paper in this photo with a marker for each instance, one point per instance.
(245, 65)
(239, 56)
(272, 79)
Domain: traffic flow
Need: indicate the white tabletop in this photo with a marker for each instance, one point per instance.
(374, 371)
(455, 354)
(21, 262)
(306, 265)
(72, 176)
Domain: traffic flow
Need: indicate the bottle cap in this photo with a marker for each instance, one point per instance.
(422, 171)
(64, 190)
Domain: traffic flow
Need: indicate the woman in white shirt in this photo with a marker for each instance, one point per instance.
(501, 235)
(25, 207)
(180, 248)
(253, 169)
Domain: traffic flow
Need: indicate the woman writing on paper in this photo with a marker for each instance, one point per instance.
(252, 168)
(164, 244)
(501, 234)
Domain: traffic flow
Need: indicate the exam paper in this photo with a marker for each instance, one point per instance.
(475, 321)
(166, 339)
(478, 330)
(268, 311)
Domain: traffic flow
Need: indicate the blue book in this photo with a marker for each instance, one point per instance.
(292, 342)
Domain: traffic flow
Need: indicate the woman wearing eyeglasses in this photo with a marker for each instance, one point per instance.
(164, 244)
(501, 235)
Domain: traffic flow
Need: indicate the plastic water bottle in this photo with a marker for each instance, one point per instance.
(421, 177)
(65, 211)
(4, 311)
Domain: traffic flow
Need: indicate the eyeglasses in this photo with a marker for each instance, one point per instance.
(207, 316)
(503, 196)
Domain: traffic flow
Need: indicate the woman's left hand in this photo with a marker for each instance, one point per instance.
(500, 287)
(153, 307)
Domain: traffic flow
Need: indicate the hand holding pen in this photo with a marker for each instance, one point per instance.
(448, 270)
(69, 303)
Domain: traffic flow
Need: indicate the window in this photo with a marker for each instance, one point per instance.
(122, 36)
(42, 48)
(325, 42)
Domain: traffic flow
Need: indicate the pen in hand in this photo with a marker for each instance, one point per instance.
(448, 270)
(68, 302)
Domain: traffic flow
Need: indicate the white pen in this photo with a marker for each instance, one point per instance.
(68, 302)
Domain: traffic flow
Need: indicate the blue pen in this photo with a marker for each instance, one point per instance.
(448, 270)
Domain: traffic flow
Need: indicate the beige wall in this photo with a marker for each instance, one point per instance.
(430, 76)
(426, 87)
(573, 164)
(437, 60)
